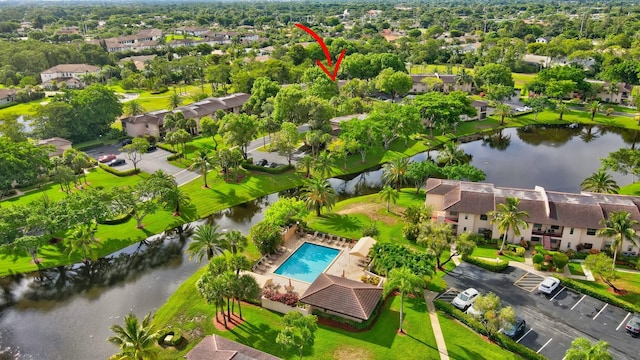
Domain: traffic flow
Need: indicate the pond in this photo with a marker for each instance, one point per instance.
(66, 312)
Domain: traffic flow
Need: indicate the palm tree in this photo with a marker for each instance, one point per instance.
(318, 193)
(406, 282)
(507, 216)
(202, 163)
(323, 164)
(212, 288)
(246, 288)
(192, 126)
(207, 241)
(175, 100)
(394, 172)
(389, 194)
(503, 110)
(562, 107)
(234, 241)
(133, 108)
(306, 163)
(619, 226)
(582, 349)
(600, 182)
(82, 240)
(182, 137)
(451, 154)
(593, 108)
(136, 340)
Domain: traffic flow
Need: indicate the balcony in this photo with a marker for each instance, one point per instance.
(546, 231)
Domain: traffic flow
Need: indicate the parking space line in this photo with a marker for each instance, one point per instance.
(558, 293)
(623, 321)
(545, 344)
(579, 301)
(605, 305)
(525, 334)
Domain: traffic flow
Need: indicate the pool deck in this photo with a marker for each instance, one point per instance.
(343, 263)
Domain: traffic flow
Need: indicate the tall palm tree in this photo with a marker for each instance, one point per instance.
(207, 241)
(507, 216)
(405, 282)
(593, 108)
(451, 154)
(389, 194)
(395, 171)
(246, 288)
(234, 241)
(133, 108)
(583, 349)
(504, 111)
(323, 164)
(82, 240)
(306, 163)
(175, 100)
(136, 340)
(317, 193)
(600, 182)
(202, 163)
(212, 288)
(182, 137)
(619, 226)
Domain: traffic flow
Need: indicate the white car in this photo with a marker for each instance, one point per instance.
(475, 312)
(548, 285)
(465, 299)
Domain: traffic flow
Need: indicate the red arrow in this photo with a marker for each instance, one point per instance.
(317, 37)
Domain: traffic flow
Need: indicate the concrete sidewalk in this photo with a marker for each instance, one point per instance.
(429, 296)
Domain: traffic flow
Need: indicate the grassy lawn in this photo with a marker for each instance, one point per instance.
(464, 343)
(28, 108)
(627, 281)
(187, 310)
(491, 252)
(521, 79)
(168, 38)
(575, 268)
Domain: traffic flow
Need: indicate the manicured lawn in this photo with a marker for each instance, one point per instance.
(22, 109)
(185, 309)
(575, 268)
(491, 252)
(627, 281)
(464, 343)
(631, 189)
(521, 79)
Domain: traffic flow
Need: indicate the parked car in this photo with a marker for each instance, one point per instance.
(126, 142)
(516, 329)
(465, 299)
(474, 312)
(262, 162)
(106, 158)
(548, 285)
(152, 148)
(633, 326)
(274, 165)
(116, 162)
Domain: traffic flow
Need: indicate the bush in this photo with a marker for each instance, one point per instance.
(515, 250)
(538, 258)
(175, 156)
(370, 229)
(116, 172)
(600, 294)
(166, 147)
(560, 260)
(411, 232)
(540, 249)
(580, 255)
(504, 341)
(368, 279)
(491, 265)
(288, 298)
(175, 341)
(117, 220)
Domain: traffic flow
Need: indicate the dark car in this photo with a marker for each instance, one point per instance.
(273, 165)
(515, 330)
(633, 326)
(262, 162)
(116, 162)
(152, 148)
(126, 142)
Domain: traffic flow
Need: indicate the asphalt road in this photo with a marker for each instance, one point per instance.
(553, 321)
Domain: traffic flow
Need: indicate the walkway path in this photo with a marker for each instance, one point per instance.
(429, 296)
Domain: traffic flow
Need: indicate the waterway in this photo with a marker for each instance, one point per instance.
(66, 312)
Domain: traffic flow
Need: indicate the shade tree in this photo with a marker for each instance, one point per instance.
(286, 140)
(209, 127)
(238, 130)
(135, 150)
(298, 331)
(364, 133)
(419, 172)
(394, 83)
(493, 315)
(583, 349)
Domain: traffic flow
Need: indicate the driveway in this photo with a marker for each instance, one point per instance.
(150, 163)
(553, 321)
(273, 156)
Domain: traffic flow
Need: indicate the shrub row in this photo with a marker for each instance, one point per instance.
(117, 172)
(175, 156)
(166, 147)
(279, 170)
(118, 220)
(504, 341)
(491, 265)
(598, 294)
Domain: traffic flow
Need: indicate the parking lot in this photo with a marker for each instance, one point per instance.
(553, 321)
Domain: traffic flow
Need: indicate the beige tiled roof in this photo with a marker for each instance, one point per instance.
(71, 68)
(216, 347)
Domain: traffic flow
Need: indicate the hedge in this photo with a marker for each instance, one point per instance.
(118, 220)
(174, 156)
(604, 296)
(491, 265)
(166, 147)
(117, 172)
(503, 340)
(279, 170)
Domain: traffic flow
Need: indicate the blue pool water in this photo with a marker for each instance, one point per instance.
(309, 261)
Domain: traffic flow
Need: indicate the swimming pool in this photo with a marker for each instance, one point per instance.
(306, 263)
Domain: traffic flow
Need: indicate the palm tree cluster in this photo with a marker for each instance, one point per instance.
(209, 241)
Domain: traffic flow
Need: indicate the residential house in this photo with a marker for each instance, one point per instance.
(481, 111)
(349, 299)
(336, 121)
(191, 31)
(151, 123)
(139, 61)
(544, 39)
(538, 60)
(446, 83)
(7, 96)
(70, 74)
(143, 39)
(617, 94)
(556, 220)
(60, 145)
(216, 347)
